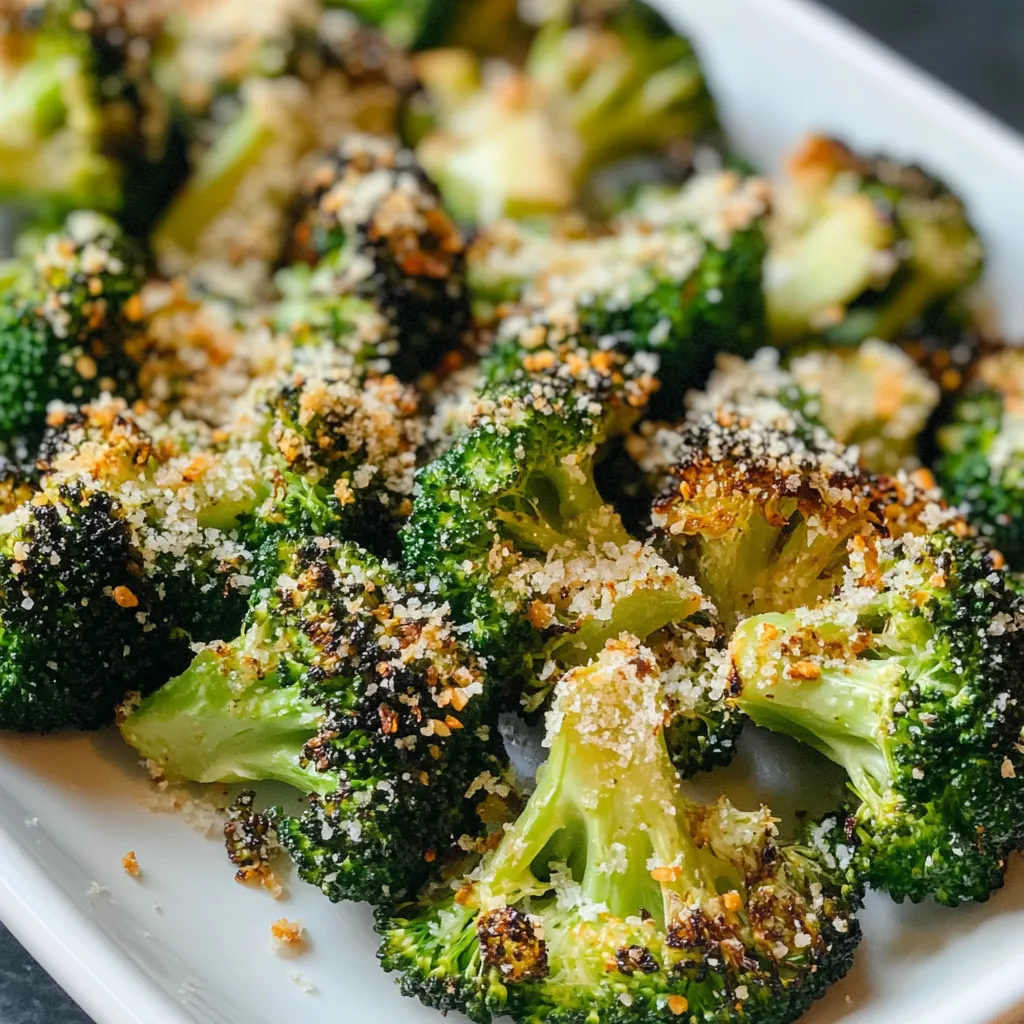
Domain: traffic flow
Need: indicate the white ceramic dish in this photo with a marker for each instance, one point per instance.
(184, 944)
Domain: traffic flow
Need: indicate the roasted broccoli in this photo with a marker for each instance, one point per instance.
(763, 515)
(508, 526)
(259, 103)
(65, 321)
(51, 122)
(615, 896)
(84, 124)
(982, 451)
(350, 685)
(872, 396)
(863, 246)
(680, 276)
(592, 91)
(80, 626)
(372, 225)
(910, 680)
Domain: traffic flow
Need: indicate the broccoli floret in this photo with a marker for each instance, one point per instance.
(51, 122)
(980, 449)
(763, 516)
(509, 527)
(701, 726)
(592, 91)
(908, 680)
(615, 896)
(79, 625)
(679, 277)
(254, 122)
(64, 326)
(348, 685)
(341, 448)
(872, 396)
(372, 223)
(863, 246)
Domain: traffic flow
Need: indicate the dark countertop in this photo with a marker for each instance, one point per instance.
(977, 47)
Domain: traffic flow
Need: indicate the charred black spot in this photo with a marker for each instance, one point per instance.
(510, 944)
(635, 958)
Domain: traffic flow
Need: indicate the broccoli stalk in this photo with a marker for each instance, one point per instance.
(231, 717)
(906, 680)
(613, 888)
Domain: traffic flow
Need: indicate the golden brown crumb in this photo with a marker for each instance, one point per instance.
(732, 901)
(678, 1005)
(130, 864)
(287, 935)
(124, 598)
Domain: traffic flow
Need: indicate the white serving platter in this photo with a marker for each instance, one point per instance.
(183, 944)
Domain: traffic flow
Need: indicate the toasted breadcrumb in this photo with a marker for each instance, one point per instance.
(287, 936)
(131, 864)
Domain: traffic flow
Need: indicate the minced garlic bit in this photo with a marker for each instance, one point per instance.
(131, 864)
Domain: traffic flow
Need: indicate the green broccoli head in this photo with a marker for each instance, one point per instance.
(373, 224)
(872, 396)
(80, 625)
(52, 154)
(701, 725)
(256, 105)
(679, 277)
(980, 447)
(182, 494)
(614, 896)
(65, 323)
(593, 91)
(341, 446)
(764, 515)
(864, 246)
(349, 685)
(508, 526)
(909, 680)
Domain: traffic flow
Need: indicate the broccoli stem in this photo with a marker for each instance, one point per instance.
(240, 148)
(561, 504)
(842, 712)
(607, 811)
(49, 145)
(220, 722)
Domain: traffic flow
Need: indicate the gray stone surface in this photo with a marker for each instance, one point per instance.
(977, 46)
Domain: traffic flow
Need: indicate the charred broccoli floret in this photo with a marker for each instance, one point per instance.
(351, 686)
(80, 626)
(872, 396)
(616, 896)
(910, 680)
(593, 91)
(182, 495)
(763, 516)
(981, 449)
(372, 224)
(863, 246)
(64, 325)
